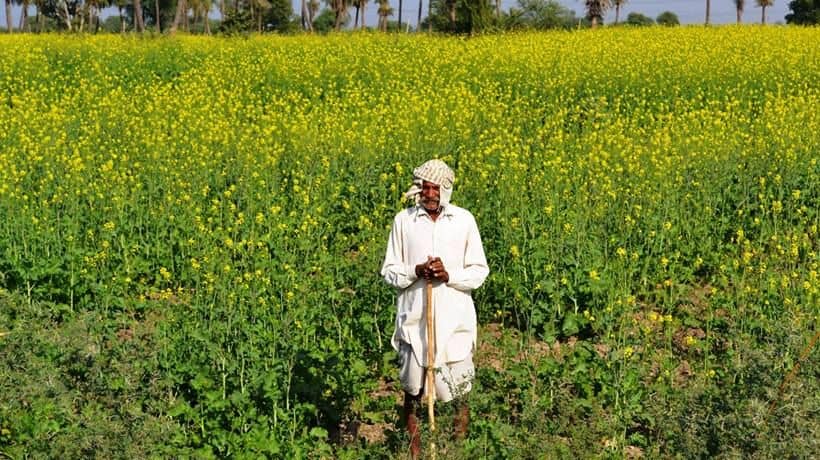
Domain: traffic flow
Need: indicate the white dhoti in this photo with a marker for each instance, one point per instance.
(452, 380)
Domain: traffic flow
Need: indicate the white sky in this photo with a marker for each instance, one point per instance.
(689, 11)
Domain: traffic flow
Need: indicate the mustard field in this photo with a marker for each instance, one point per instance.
(191, 231)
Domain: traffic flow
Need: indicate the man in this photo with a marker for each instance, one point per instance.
(437, 241)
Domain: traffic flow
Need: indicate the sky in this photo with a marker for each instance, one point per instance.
(688, 11)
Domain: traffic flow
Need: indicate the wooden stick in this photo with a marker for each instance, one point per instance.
(431, 356)
(803, 356)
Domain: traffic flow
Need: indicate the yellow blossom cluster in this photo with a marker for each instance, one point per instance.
(609, 171)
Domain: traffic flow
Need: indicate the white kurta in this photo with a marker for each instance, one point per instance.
(455, 239)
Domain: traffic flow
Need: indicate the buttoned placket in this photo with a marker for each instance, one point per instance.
(433, 293)
(435, 289)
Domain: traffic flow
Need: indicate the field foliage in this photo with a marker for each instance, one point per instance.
(191, 231)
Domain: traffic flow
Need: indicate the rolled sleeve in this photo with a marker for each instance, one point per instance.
(475, 269)
(395, 272)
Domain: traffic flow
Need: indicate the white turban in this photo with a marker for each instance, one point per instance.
(437, 172)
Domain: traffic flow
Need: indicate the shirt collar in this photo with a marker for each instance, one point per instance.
(421, 212)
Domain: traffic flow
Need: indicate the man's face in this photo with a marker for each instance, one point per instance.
(430, 196)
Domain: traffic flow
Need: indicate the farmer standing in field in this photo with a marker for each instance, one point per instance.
(437, 241)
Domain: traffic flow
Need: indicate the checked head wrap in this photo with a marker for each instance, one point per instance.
(437, 172)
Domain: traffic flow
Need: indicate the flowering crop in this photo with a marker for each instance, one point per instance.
(246, 188)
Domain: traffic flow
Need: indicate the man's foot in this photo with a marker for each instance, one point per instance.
(461, 421)
(411, 404)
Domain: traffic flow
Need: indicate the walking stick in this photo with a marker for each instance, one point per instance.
(803, 356)
(431, 353)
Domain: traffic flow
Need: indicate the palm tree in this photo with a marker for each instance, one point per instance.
(39, 17)
(182, 10)
(356, 17)
(739, 4)
(708, 10)
(313, 8)
(90, 8)
(24, 26)
(63, 14)
(195, 7)
(9, 25)
(156, 16)
(618, 4)
(94, 7)
(120, 7)
(258, 8)
(340, 8)
(139, 24)
(81, 13)
(207, 6)
(596, 9)
(303, 16)
(451, 12)
(385, 10)
(764, 4)
(201, 10)
(363, 6)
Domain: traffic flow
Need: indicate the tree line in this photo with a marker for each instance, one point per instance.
(449, 16)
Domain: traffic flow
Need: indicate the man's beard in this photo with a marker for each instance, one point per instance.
(431, 205)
